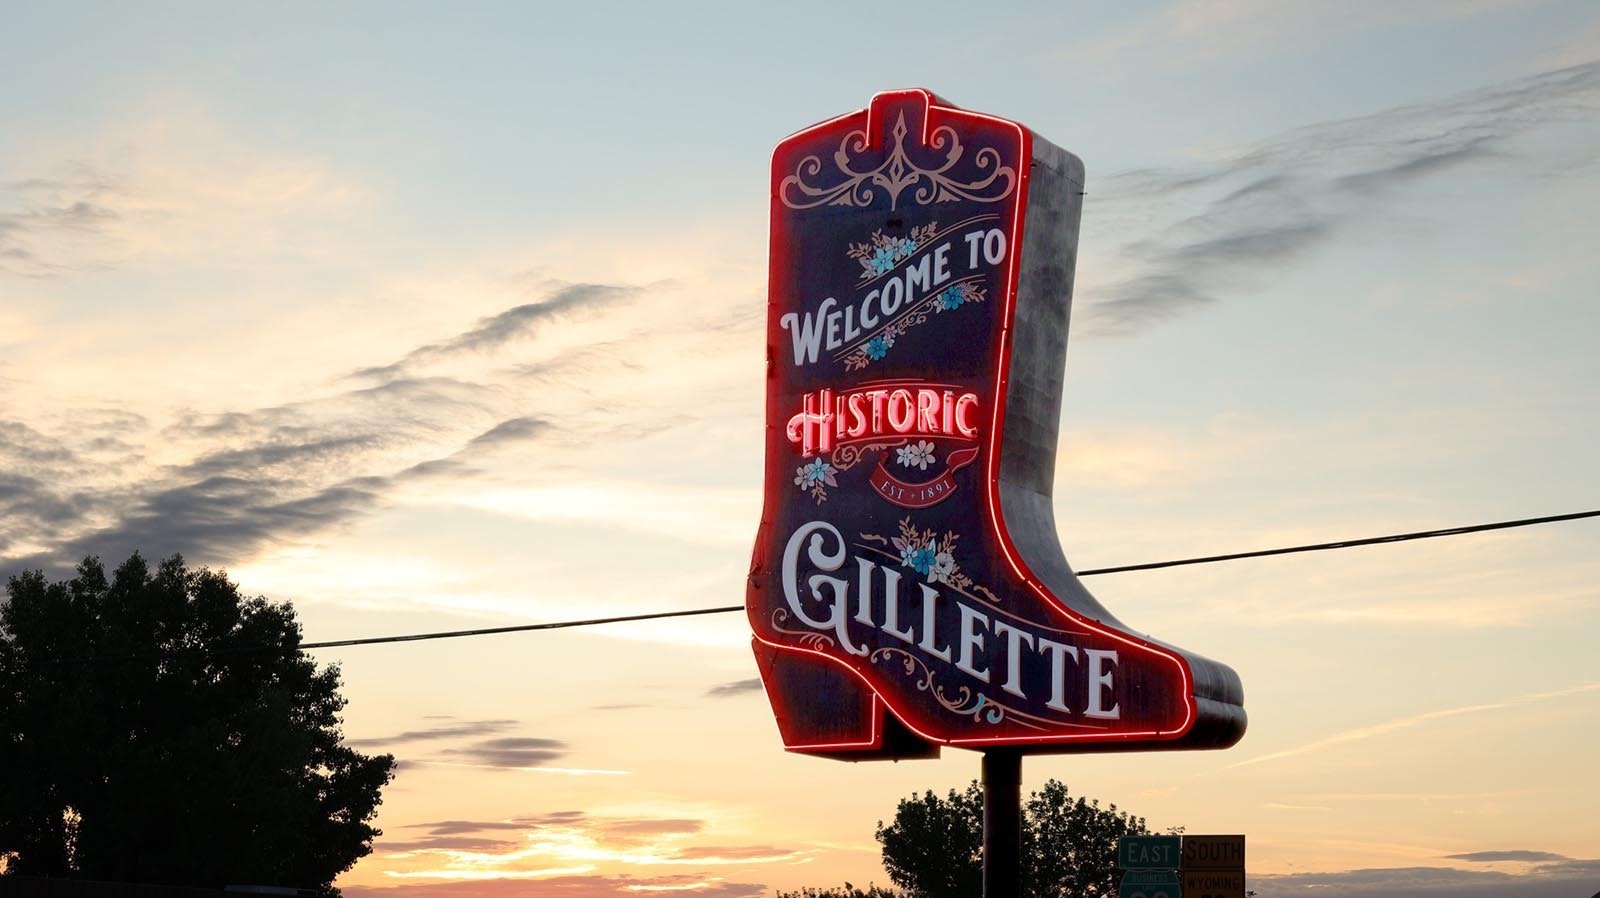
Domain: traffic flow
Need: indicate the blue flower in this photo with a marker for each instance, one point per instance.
(922, 560)
(816, 471)
(882, 260)
(877, 348)
(951, 298)
(907, 247)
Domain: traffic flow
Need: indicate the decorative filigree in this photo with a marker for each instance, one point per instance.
(807, 638)
(966, 701)
(962, 700)
(897, 173)
(845, 457)
(878, 344)
(987, 593)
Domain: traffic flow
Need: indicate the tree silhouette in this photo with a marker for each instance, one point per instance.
(933, 847)
(145, 737)
(1069, 847)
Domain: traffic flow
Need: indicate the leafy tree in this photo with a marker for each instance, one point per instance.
(1069, 847)
(933, 848)
(144, 737)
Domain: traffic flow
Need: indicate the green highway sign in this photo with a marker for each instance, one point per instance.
(1152, 878)
(1169, 887)
(1149, 853)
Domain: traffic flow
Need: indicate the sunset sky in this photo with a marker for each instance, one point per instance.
(430, 317)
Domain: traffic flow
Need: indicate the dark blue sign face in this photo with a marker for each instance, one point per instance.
(891, 606)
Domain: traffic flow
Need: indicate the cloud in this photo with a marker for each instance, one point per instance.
(162, 181)
(524, 320)
(532, 846)
(1177, 36)
(1563, 879)
(1400, 723)
(1191, 235)
(651, 826)
(1492, 856)
(444, 731)
(448, 843)
(252, 479)
(515, 430)
(743, 852)
(460, 827)
(223, 486)
(567, 886)
(221, 517)
(510, 751)
(53, 225)
(737, 687)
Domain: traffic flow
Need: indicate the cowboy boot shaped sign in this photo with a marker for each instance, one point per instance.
(907, 590)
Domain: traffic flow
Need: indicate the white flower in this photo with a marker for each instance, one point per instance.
(944, 567)
(917, 455)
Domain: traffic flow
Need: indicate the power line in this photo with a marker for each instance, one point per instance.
(1347, 543)
(520, 628)
(725, 609)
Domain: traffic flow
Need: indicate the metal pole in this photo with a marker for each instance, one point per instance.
(1002, 824)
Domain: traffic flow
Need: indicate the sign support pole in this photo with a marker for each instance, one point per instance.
(1002, 823)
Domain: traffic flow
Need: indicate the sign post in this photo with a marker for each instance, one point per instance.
(1002, 822)
(906, 591)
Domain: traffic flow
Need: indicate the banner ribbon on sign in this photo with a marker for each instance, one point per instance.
(922, 495)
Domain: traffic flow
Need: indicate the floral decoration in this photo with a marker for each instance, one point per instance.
(882, 252)
(955, 295)
(815, 477)
(929, 554)
(916, 455)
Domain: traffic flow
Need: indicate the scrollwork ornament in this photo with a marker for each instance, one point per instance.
(898, 173)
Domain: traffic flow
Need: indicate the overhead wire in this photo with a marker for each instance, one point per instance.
(725, 609)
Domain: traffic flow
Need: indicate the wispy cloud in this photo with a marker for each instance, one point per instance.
(160, 182)
(242, 480)
(566, 885)
(51, 225)
(454, 730)
(1191, 235)
(1422, 797)
(499, 752)
(1514, 855)
(1181, 35)
(460, 849)
(1401, 723)
(737, 687)
(510, 751)
(493, 332)
(1563, 878)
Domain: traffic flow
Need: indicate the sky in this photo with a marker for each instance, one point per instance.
(428, 318)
